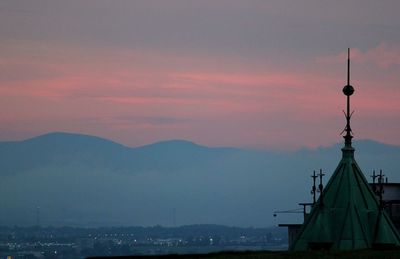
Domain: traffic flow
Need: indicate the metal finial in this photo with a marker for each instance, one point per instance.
(348, 90)
(321, 188)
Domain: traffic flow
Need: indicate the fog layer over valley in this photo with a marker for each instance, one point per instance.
(79, 180)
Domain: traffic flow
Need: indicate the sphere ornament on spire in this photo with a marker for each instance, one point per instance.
(348, 90)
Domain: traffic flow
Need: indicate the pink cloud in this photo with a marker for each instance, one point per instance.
(384, 55)
(271, 108)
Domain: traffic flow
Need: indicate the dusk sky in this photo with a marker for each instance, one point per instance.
(255, 74)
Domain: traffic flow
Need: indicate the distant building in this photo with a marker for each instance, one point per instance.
(391, 200)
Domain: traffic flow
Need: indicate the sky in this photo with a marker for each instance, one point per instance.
(254, 74)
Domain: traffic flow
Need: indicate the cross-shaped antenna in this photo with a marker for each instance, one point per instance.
(381, 191)
(381, 175)
(321, 187)
(314, 188)
(374, 176)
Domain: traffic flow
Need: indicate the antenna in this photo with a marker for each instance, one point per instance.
(374, 176)
(381, 190)
(321, 188)
(314, 188)
(348, 90)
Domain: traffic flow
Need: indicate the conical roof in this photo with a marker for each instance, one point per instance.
(347, 215)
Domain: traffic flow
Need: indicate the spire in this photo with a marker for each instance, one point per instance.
(348, 90)
(347, 215)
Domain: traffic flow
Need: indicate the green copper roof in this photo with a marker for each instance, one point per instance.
(347, 215)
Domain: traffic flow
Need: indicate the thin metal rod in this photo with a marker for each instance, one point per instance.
(348, 66)
(348, 83)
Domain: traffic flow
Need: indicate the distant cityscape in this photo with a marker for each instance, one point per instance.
(38, 242)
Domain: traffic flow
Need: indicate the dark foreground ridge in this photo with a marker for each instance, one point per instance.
(389, 254)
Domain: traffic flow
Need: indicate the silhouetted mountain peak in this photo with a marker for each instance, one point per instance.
(64, 138)
(173, 144)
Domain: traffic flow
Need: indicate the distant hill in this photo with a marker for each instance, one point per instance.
(59, 149)
(82, 180)
(67, 149)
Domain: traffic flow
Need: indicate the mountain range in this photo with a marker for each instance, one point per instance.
(81, 180)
